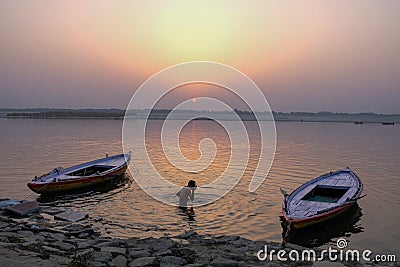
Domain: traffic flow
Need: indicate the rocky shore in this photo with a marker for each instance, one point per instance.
(39, 240)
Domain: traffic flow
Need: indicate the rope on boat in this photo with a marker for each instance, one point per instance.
(288, 228)
(35, 192)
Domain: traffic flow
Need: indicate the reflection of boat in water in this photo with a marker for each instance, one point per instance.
(81, 176)
(322, 198)
(345, 224)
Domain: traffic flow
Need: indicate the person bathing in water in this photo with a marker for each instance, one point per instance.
(187, 193)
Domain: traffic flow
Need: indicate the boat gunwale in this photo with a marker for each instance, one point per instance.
(71, 181)
(53, 187)
(47, 178)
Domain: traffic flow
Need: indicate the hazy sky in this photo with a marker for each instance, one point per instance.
(305, 55)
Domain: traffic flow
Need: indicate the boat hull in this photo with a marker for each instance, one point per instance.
(298, 223)
(56, 187)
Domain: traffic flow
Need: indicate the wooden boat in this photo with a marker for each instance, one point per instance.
(82, 175)
(387, 123)
(321, 198)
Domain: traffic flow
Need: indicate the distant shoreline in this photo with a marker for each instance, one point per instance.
(119, 114)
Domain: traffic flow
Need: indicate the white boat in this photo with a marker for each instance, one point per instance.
(82, 175)
(322, 198)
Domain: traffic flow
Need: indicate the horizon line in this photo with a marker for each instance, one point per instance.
(166, 109)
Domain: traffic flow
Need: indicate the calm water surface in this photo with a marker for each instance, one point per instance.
(304, 151)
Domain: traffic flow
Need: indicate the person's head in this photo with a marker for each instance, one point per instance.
(192, 183)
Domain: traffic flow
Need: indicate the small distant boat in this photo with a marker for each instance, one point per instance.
(387, 123)
(82, 175)
(358, 122)
(321, 198)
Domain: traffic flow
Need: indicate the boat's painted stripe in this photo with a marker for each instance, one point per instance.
(303, 222)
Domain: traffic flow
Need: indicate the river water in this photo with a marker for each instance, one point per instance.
(304, 151)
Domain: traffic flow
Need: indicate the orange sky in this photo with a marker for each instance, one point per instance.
(305, 56)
